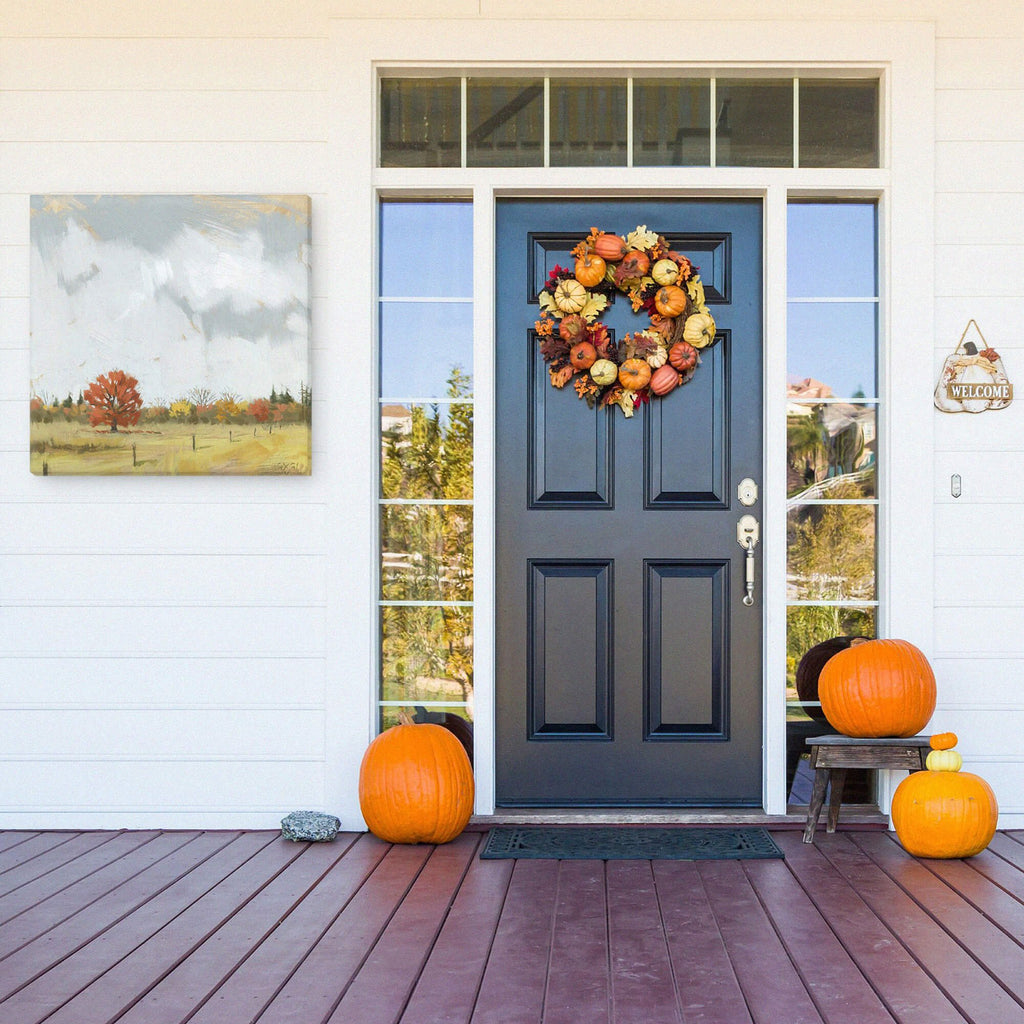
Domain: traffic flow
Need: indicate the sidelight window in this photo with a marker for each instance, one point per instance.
(425, 498)
(832, 443)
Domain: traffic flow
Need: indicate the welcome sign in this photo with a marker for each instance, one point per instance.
(973, 379)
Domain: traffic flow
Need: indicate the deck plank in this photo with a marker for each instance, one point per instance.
(1000, 955)
(709, 992)
(380, 991)
(72, 962)
(313, 991)
(243, 996)
(40, 845)
(448, 984)
(909, 993)
(109, 854)
(8, 840)
(512, 988)
(967, 984)
(642, 982)
(202, 971)
(762, 965)
(246, 928)
(76, 930)
(578, 986)
(122, 985)
(831, 976)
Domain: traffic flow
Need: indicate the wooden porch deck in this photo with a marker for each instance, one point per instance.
(232, 928)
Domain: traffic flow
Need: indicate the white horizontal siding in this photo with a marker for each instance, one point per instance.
(181, 680)
(163, 117)
(163, 641)
(979, 537)
(161, 64)
(176, 646)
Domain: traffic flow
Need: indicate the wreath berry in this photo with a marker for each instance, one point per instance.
(660, 282)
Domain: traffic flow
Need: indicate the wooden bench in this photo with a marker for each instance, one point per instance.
(832, 755)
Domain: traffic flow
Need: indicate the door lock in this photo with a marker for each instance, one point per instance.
(746, 492)
(748, 533)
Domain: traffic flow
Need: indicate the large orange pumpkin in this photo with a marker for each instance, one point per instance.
(944, 813)
(878, 688)
(416, 785)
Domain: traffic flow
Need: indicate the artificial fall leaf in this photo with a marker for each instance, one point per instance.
(696, 292)
(547, 304)
(641, 238)
(645, 344)
(554, 348)
(626, 403)
(594, 306)
(559, 378)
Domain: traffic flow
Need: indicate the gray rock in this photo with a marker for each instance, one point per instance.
(310, 827)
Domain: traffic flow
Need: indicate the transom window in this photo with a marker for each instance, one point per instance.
(648, 121)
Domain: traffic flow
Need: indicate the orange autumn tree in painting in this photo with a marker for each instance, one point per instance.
(115, 400)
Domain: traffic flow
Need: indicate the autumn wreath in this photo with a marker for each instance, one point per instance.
(660, 282)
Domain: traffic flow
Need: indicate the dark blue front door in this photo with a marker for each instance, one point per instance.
(628, 667)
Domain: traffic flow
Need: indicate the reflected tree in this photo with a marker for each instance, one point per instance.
(427, 548)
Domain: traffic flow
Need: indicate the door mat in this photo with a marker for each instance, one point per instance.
(629, 843)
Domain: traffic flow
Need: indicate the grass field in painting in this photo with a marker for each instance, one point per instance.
(176, 449)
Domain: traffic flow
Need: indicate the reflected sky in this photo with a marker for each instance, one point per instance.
(832, 251)
(426, 249)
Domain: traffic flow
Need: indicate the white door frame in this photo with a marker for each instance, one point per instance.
(902, 53)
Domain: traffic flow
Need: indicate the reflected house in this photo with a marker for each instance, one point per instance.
(831, 443)
(395, 419)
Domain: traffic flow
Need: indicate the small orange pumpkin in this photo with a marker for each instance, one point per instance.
(583, 355)
(683, 356)
(670, 300)
(573, 328)
(943, 741)
(634, 374)
(590, 270)
(610, 247)
(416, 785)
(878, 688)
(664, 379)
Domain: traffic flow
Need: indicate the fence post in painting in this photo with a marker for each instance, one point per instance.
(193, 442)
(135, 461)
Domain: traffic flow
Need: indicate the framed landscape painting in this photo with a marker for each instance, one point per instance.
(170, 334)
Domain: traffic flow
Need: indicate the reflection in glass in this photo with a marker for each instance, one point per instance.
(588, 122)
(830, 446)
(838, 123)
(505, 122)
(671, 122)
(754, 123)
(420, 122)
(440, 234)
(832, 250)
(421, 346)
(808, 625)
(830, 552)
(389, 716)
(426, 653)
(426, 552)
(831, 349)
(427, 451)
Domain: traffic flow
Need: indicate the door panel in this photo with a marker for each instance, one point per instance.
(628, 670)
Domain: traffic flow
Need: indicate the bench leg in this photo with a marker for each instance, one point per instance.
(838, 781)
(817, 799)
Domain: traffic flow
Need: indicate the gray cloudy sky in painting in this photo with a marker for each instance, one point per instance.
(178, 291)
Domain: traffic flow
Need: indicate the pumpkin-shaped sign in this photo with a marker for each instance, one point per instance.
(416, 785)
